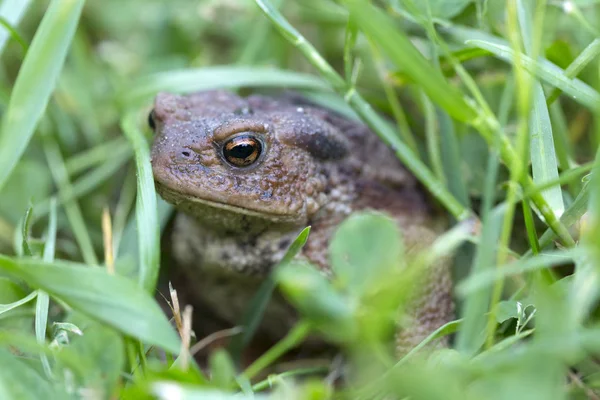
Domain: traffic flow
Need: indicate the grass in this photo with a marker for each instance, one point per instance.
(494, 107)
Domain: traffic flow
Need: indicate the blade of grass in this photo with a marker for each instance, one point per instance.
(12, 11)
(291, 340)
(95, 155)
(145, 210)
(432, 135)
(26, 250)
(88, 182)
(584, 291)
(541, 261)
(188, 80)
(403, 128)
(541, 142)
(476, 303)
(583, 59)
(36, 81)
(254, 44)
(43, 300)
(11, 306)
(543, 156)
(124, 207)
(15, 35)
(517, 170)
(562, 144)
(59, 173)
(530, 227)
(349, 43)
(545, 70)
(564, 178)
(570, 217)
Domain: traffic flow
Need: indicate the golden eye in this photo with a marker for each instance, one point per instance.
(242, 151)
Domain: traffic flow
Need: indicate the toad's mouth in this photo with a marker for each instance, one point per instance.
(193, 204)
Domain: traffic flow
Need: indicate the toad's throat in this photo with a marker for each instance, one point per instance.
(199, 207)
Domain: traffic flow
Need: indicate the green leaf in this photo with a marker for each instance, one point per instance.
(36, 81)
(19, 381)
(511, 309)
(363, 249)
(314, 296)
(100, 352)
(108, 298)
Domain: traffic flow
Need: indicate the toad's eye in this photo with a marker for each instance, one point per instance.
(151, 121)
(242, 151)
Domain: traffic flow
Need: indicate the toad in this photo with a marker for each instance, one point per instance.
(248, 174)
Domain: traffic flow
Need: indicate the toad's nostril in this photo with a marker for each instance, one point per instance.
(185, 153)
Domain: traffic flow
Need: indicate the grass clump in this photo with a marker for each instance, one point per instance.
(494, 106)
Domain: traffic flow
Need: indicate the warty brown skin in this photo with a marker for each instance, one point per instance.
(314, 168)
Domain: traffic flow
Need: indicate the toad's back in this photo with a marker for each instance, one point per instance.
(247, 174)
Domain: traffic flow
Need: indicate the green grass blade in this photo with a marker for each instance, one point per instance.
(451, 159)
(189, 80)
(145, 210)
(12, 11)
(38, 75)
(560, 134)
(541, 146)
(570, 217)
(433, 138)
(545, 70)
(586, 280)
(583, 59)
(43, 300)
(11, 306)
(112, 299)
(541, 261)
(88, 182)
(541, 143)
(96, 155)
(74, 215)
(25, 232)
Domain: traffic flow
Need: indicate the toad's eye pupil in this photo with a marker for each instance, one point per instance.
(242, 151)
